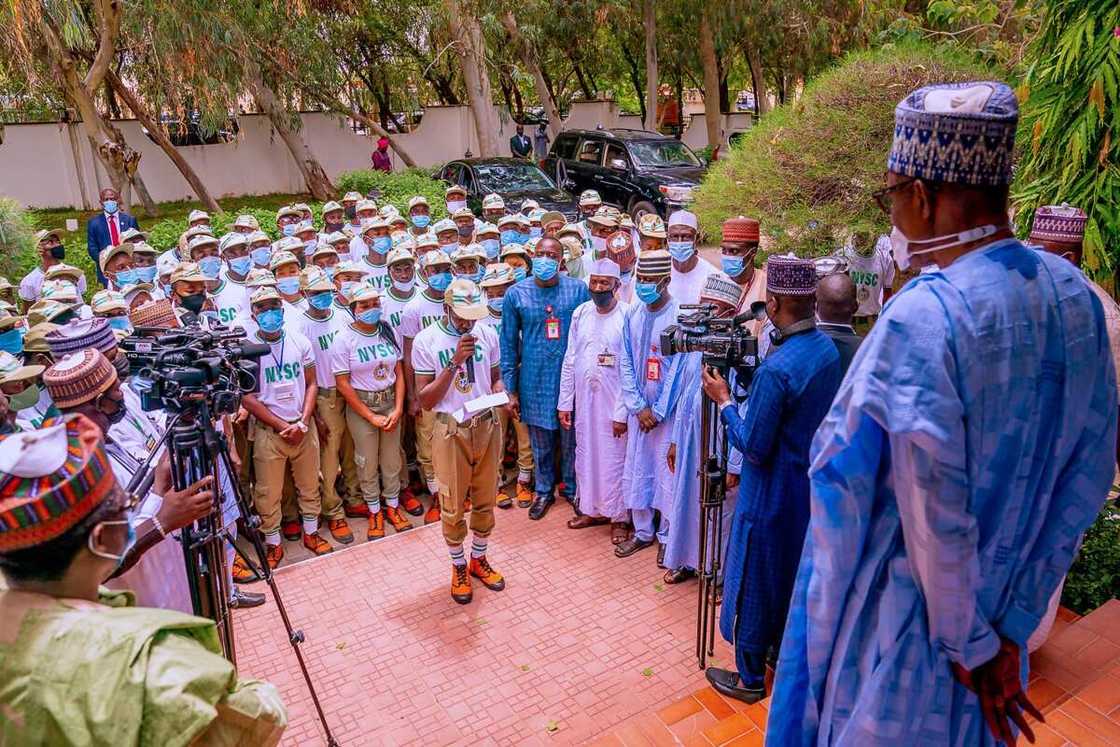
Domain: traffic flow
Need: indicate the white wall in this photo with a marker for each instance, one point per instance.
(38, 166)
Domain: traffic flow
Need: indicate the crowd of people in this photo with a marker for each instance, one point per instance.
(904, 505)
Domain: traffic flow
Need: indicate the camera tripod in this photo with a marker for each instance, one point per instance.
(198, 449)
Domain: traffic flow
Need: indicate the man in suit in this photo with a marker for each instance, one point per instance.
(836, 305)
(520, 145)
(106, 228)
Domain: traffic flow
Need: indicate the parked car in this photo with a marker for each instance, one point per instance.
(635, 170)
(515, 179)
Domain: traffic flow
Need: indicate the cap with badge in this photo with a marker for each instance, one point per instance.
(365, 205)
(47, 233)
(288, 244)
(418, 200)
(399, 254)
(63, 270)
(652, 226)
(198, 215)
(435, 258)
(570, 229)
(388, 210)
(133, 235)
(510, 250)
(487, 229)
(323, 250)
(313, 280)
(247, 221)
(470, 251)
(466, 300)
(11, 369)
(444, 225)
(200, 241)
(552, 217)
(288, 211)
(305, 229)
(426, 242)
(257, 237)
(187, 272)
(59, 290)
(461, 213)
(371, 223)
(264, 293)
(497, 274)
(454, 189)
(515, 219)
(46, 310)
(105, 301)
(535, 215)
(789, 275)
(281, 258)
(232, 241)
(258, 276)
(302, 208)
(529, 204)
(51, 479)
(363, 292)
(351, 197)
(1063, 224)
(589, 197)
(35, 341)
(143, 247)
(606, 220)
(110, 253)
(331, 207)
(349, 268)
(493, 201)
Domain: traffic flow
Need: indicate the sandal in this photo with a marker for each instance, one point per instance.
(584, 521)
(620, 532)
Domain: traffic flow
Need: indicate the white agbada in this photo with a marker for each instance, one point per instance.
(686, 286)
(589, 385)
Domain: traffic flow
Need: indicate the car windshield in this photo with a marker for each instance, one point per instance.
(660, 154)
(512, 177)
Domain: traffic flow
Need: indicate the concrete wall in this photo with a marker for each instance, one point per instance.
(52, 164)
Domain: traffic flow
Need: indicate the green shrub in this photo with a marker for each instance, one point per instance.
(819, 159)
(396, 187)
(17, 239)
(1095, 576)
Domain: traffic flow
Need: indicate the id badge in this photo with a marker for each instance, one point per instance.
(552, 328)
(286, 392)
(653, 369)
(606, 360)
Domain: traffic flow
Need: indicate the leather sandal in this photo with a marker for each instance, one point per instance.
(584, 521)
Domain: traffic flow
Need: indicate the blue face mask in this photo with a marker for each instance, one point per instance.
(545, 268)
(523, 238)
(382, 244)
(321, 300)
(439, 281)
(288, 286)
(492, 247)
(519, 274)
(261, 255)
(647, 293)
(12, 341)
(166, 288)
(681, 250)
(510, 237)
(109, 206)
(289, 229)
(125, 277)
(495, 304)
(348, 286)
(241, 265)
(271, 320)
(210, 267)
(369, 316)
(145, 274)
(535, 231)
(421, 221)
(732, 266)
(120, 322)
(478, 275)
(330, 270)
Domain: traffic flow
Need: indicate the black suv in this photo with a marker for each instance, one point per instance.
(515, 179)
(635, 170)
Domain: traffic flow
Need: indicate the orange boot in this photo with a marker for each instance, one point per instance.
(460, 584)
(432, 517)
(316, 544)
(490, 578)
(376, 528)
(275, 555)
(399, 521)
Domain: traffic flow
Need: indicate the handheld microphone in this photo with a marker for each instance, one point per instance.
(470, 361)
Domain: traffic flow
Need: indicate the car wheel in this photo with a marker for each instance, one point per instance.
(640, 208)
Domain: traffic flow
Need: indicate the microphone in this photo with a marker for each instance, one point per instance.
(470, 360)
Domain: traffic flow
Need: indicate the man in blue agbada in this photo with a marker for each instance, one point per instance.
(790, 394)
(966, 453)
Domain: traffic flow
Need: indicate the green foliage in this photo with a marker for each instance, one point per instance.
(1095, 576)
(816, 162)
(396, 187)
(17, 237)
(1069, 130)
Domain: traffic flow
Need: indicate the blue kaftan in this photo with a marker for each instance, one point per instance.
(971, 445)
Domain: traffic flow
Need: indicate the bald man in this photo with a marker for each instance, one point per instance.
(836, 305)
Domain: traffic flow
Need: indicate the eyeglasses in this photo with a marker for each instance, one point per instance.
(883, 196)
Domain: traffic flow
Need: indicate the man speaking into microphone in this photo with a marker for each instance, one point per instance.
(457, 378)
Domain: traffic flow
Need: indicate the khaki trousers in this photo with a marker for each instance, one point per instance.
(466, 458)
(521, 432)
(376, 451)
(330, 406)
(424, 423)
(272, 456)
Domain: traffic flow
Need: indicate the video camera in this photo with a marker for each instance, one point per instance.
(172, 369)
(723, 341)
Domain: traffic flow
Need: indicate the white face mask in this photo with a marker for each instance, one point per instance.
(900, 245)
(453, 205)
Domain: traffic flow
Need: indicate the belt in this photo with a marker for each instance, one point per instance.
(486, 415)
(377, 395)
(327, 390)
(267, 427)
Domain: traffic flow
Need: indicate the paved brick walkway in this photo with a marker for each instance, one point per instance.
(577, 644)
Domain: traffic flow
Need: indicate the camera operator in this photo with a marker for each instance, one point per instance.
(790, 395)
(80, 664)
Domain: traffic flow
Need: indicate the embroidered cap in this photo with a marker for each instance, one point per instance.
(1062, 223)
(604, 268)
(655, 263)
(80, 334)
(154, 315)
(787, 275)
(720, 288)
(683, 218)
(80, 377)
(740, 230)
(399, 254)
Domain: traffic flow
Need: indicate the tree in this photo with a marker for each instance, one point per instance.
(712, 113)
(528, 58)
(649, 23)
(471, 49)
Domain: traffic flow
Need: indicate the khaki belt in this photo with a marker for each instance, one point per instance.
(482, 417)
(377, 397)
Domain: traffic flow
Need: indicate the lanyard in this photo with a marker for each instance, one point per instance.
(272, 351)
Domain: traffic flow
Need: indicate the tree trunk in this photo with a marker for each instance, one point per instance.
(164, 143)
(318, 183)
(635, 78)
(368, 121)
(471, 47)
(649, 22)
(711, 79)
(529, 60)
(758, 80)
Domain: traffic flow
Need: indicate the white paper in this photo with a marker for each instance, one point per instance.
(478, 404)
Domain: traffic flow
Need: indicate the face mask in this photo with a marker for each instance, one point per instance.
(348, 286)
(241, 265)
(369, 316)
(382, 244)
(492, 247)
(109, 206)
(131, 539)
(495, 304)
(288, 286)
(261, 255)
(900, 245)
(120, 322)
(58, 252)
(210, 267)
(477, 275)
(125, 277)
(289, 229)
(350, 212)
(647, 293)
(271, 320)
(545, 268)
(309, 246)
(519, 274)
(523, 238)
(465, 231)
(29, 397)
(599, 245)
(145, 274)
(510, 237)
(439, 281)
(12, 341)
(421, 221)
(732, 266)
(681, 250)
(321, 301)
(455, 205)
(535, 232)
(331, 227)
(602, 299)
(404, 286)
(194, 302)
(166, 288)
